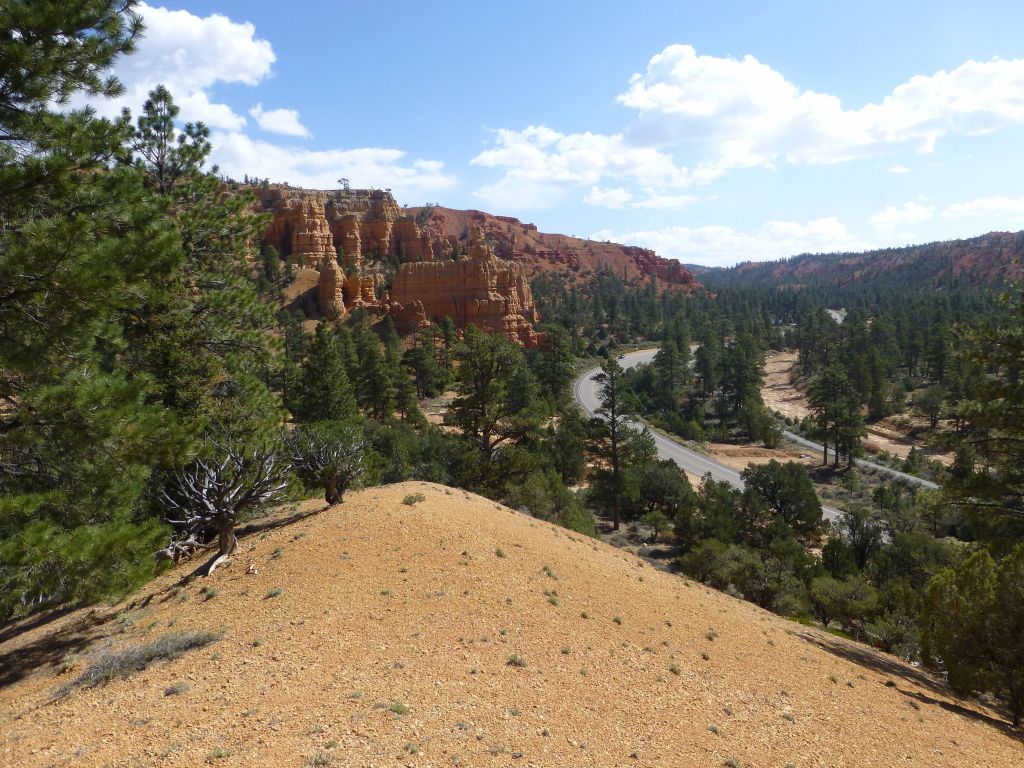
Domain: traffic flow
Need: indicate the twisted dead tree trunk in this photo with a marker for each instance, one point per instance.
(207, 498)
(329, 455)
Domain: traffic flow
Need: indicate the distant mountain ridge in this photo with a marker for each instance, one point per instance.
(988, 261)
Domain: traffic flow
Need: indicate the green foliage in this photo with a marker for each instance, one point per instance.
(492, 407)
(973, 625)
(85, 252)
(849, 601)
(836, 408)
(788, 495)
(987, 479)
(324, 392)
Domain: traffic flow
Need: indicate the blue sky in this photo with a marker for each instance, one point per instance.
(712, 132)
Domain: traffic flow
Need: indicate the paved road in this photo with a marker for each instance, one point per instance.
(895, 473)
(585, 391)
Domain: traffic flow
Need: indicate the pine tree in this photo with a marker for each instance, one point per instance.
(85, 252)
(613, 437)
(988, 478)
(489, 418)
(213, 333)
(375, 388)
(325, 393)
(973, 623)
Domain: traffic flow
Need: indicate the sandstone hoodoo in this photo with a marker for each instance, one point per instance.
(419, 265)
(481, 290)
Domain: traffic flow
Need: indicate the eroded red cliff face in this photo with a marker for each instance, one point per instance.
(419, 265)
(538, 252)
(478, 289)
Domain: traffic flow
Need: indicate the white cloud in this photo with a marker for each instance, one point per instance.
(898, 168)
(518, 194)
(617, 197)
(191, 55)
(665, 202)
(541, 154)
(723, 113)
(751, 115)
(724, 246)
(1007, 209)
(889, 218)
(410, 179)
(284, 121)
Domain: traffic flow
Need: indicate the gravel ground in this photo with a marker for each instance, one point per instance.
(454, 631)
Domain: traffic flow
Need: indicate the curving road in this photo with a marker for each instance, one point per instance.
(585, 392)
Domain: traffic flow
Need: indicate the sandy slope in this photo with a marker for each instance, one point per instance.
(383, 602)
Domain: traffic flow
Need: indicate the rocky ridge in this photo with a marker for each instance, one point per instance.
(420, 264)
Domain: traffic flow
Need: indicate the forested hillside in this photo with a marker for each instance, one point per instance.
(986, 261)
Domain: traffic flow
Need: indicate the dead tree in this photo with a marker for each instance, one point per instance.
(207, 498)
(331, 457)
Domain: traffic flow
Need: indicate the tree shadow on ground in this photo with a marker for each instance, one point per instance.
(79, 634)
(888, 665)
(52, 648)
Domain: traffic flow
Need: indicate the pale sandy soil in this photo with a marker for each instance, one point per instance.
(434, 408)
(739, 456)
(778, 393)
(781, 396)
(383, 602)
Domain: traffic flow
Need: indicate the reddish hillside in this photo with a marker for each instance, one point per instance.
(540, 252)
(989, 261)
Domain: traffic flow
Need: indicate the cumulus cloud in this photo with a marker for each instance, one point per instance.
(238, 154)
(752, 115)
(998, 208)
(617, 197)
(724, 113)
(721, 246)
(891, 217)
(665, 202)
(191, 55)
(284, 121)
(539, 153)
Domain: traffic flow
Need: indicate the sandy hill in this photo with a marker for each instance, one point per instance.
(390, 643)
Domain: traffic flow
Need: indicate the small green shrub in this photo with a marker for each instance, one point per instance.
(413, 498)
(515, 660)
(399, 708)
(275, 592)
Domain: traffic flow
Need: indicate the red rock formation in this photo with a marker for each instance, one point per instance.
(537, 252)
(368, 233)
(480, 290)
(330, 288)
(299, 229)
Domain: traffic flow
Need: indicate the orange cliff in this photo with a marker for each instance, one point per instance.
(364, 250)
(481, 290)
